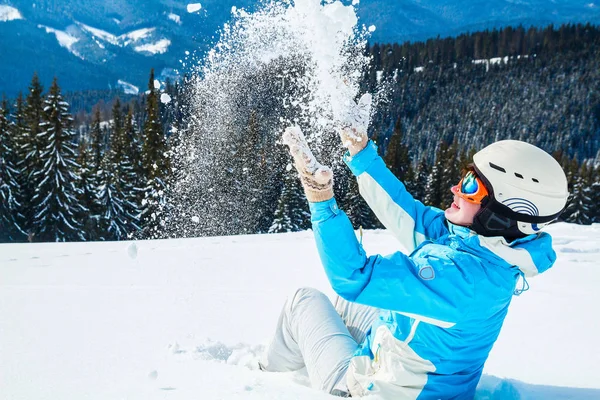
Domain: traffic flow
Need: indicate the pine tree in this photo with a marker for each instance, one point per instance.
(571, 168)
(89, 161)
(450, 175)
(133, 149)
(56, 209)
(435, 191)
(10, 229)
(117, 192)
(291, 214)
(595, 195)
(96, 142)
(88, 191)
(421, 179)
(156, 166)
(18, 131)
(397, 157)
(579, 208)
(29, 149)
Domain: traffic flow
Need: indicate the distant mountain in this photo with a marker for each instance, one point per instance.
(401, 20)
(114, 43)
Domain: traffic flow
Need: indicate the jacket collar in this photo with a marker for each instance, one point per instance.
(532, 254)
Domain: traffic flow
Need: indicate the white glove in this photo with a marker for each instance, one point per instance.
(317, 179)
(355, 123)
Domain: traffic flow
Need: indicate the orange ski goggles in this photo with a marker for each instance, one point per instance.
(471, 188)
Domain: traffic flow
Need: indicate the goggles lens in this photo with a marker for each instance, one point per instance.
(471, 188)
(469, 184)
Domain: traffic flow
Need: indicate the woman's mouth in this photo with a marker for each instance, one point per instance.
(454, 205)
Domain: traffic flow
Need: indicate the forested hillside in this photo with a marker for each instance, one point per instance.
(112, 172)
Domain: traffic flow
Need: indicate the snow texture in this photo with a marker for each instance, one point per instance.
(159, 47)
(128, 88)
(194, 7)
(64, 39)
(187, 319)
(165, 98)
(175, 18)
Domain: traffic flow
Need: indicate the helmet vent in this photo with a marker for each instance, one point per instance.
(518, 175)
(497, 167)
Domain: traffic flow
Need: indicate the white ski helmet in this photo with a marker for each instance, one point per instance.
(527, 189)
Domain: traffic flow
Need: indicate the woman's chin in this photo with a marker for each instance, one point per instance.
(453, 215)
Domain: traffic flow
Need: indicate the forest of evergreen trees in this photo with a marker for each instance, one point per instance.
(59, 182)
(68, 174)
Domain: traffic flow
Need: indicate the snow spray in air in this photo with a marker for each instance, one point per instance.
(289, 63)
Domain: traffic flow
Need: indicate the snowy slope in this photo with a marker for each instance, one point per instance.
(165, 319)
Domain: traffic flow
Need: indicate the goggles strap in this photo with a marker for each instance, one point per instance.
(505, 211)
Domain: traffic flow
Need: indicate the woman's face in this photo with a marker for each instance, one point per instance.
(461, 212)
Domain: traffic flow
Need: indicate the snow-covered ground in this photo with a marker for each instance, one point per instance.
(185, 319)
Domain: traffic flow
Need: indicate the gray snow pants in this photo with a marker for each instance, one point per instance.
(312, 332)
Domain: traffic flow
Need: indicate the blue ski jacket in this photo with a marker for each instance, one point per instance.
(443, 298)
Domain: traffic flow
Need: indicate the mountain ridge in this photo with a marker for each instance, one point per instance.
(96, 45)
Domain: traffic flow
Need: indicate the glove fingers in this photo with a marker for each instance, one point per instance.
(323, 175)
(365, 101)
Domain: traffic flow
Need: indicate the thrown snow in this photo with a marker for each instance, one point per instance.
(175, 18)
(193, 7)
(372, 28)
(324, 36)
(159, 47)
(132, 250)
(156, 84)
(187, 319)
(8, 13)
(315, 47)
(165, 98)
(128, 88)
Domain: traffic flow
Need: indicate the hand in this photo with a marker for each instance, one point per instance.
(317, 179)
(355, 123)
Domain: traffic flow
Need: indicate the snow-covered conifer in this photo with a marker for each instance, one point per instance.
(356, 208)
(117, 192)
(27, 137)
(89, 159)
(580, 208)
(10, 229)
(291, 214)
(55, 202)
(133, 149)
(434, 191)
(156, 166)
(450, 174)
(421, 177)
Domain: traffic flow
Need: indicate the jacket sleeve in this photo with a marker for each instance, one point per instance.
(408, 219)
(424, 290)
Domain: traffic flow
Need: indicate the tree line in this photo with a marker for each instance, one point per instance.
(60, 182)
(110, 174)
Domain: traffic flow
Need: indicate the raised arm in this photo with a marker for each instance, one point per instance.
(408, 219)
(393, 282)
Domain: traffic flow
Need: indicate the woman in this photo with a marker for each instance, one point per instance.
(418, 323)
